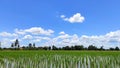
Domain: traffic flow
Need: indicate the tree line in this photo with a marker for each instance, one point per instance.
(31, 46)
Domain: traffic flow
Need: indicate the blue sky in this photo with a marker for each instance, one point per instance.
(100, 18)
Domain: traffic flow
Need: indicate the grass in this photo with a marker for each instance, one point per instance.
(59, 59)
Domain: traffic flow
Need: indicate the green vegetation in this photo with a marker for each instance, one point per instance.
(59, 59)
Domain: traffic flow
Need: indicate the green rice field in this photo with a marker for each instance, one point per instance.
(59, 59)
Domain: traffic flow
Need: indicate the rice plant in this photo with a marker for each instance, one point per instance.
(55, 60)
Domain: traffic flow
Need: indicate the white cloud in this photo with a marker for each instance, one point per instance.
(21, 32)
(12, 40)
(76, 18)
(5, 42)
(75, 40)
(36, 40)
(39, 30)
(6, 34)
(35, 31)
(62, 16)
(62, 32)
(110, 39)
(65, 36)
(66, 40)
(42, 38)
(27, 37)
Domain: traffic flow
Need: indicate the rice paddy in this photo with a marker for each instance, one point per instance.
(60, 59)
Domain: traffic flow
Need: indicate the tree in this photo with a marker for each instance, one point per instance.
(66, 48)
(18, 46)
(79, 47)
(34, 45)
(17, 43)
(49, 48)
(54, 48)
(116, 48)
(91, 47)
(111, 48)
(12, 45)
(46, 48)
(30, 45)
(101, 48)
(72, 48)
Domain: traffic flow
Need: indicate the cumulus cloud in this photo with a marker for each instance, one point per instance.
(65, 36)
(39, 30)
(76, 18)
(34, 30)
(42, 38)
(5, 42)
(107, 40)
(75, 39)
(39, 39)
(62, 16)
(62, 32)
(111, 39)
(27, 37)
(6, 34)
(20, 32)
